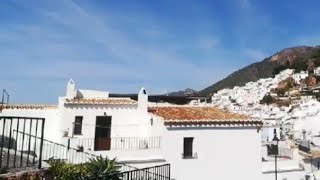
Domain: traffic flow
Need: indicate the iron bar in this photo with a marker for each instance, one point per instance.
(35, 144)
(2, 140)
(16, 148)
(9, 145)
(41, 144)
(4, 92)
(22, 145)
(29, 143)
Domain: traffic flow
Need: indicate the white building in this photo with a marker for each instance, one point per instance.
(208, 143)
(316, 71)
(300, 76)
(199, 142)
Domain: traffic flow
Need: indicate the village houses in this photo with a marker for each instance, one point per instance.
(195, 140)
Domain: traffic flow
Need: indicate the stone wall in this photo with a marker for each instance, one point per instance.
(41, 174)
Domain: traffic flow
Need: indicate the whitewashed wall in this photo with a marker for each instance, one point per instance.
(52, 120)
(312, 125)
(127, 121)
(267, 133)
(223, 153)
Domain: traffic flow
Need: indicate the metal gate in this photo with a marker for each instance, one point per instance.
(19, 141)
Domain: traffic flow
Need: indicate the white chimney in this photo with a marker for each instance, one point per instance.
(71, 89)
(143, 100)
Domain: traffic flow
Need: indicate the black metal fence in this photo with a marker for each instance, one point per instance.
(55, 151)
(21, 151)
(161, 172)
(22, 144)
(5, 95)
(280, 151)
(119, 143)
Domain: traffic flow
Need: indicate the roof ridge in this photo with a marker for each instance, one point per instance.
(196, 115)
(27, 106)
(102, 101)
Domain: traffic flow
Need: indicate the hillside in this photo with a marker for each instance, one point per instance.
(298, 58)
(186, 92)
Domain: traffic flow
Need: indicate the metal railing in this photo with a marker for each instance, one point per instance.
(285, 153)
(23, 145)
(282, 152)
(151, 173)
(55, 151)
(5, 93)
(119, 143)
(161, 172)
(21, 151)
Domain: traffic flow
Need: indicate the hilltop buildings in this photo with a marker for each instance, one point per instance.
(196, 140)
(250, 94)
(296, 123)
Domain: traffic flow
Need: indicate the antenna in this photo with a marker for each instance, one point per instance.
(4, 92)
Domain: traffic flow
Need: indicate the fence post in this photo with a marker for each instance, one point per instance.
(2, 139)
(10, 136)
(169, 171)
(41, 144)
(68, 143)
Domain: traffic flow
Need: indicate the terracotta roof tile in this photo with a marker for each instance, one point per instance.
(200, 115)
(106, 101)
(27, 106)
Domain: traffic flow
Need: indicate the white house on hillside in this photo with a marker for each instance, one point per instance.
(316, 71)
(300, 76)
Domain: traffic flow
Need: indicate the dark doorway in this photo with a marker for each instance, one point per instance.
(102, 139)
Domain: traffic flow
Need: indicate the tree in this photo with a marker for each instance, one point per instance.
(267, 99)
(281, 92)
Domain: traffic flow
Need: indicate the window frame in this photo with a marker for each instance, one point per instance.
(77, 125)
(188, 150)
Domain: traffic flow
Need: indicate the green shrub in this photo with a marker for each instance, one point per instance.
(65, 171)
(103, 167)
(96, 168)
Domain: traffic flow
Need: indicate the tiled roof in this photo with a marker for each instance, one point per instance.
(27, 106)
(105, 101)
(200, 115)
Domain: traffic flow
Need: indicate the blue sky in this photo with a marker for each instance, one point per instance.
(122, 45)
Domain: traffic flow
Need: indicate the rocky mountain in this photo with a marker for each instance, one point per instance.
(186, 92)
(298, 58)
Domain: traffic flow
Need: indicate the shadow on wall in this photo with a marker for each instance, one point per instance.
(13, 142)
(6, 142)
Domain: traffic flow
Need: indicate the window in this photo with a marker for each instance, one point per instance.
(78, 125)
(188, 147)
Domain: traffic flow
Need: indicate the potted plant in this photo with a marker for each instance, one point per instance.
(65, 133)
(80, 148)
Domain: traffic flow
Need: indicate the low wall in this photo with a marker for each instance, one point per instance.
(41, 174)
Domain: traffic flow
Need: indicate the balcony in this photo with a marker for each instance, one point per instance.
(115, 143)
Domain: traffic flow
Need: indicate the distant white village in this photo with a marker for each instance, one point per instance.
(230, 138)
(297, 123)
